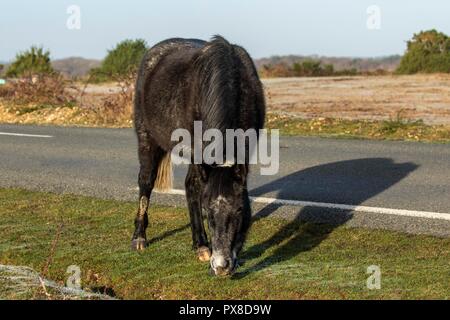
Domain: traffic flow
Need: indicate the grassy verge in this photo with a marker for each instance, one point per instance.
(281, 260)
(396, 129)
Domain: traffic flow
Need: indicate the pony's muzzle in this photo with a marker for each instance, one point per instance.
(221, 266)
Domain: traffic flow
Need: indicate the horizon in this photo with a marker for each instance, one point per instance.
(261, 58)
(322, 28)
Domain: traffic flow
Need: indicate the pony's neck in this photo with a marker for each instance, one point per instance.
(218, 79)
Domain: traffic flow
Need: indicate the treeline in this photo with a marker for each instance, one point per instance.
(427, 52)
(310, 68)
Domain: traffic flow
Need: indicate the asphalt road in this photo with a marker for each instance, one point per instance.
(103, 163)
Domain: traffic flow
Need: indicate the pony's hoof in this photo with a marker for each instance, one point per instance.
(138, 244)
(203, 254)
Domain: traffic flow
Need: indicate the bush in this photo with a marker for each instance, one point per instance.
(306, 68)
(118, 107)
(427, 52)
(34, 61)
(276, 70)
(312, 68)
(120, 61)
(50, 89)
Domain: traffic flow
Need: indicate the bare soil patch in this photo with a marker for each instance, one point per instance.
(425, 97)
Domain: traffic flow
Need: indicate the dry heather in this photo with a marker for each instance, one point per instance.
(54, 100)
(48, 89)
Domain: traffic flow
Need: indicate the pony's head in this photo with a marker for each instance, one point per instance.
(226, 205)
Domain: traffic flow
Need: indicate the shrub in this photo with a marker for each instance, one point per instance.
(428, 52)
(120, 61)
(31, 62)
(277, 70)
(305, 68)
(50, 89)
(118, 107)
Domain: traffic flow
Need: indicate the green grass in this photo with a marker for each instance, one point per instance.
(281, 259)
(393, 129)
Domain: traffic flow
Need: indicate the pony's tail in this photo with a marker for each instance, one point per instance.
(163, 182)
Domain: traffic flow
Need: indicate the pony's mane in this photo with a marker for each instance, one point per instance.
(218, 78)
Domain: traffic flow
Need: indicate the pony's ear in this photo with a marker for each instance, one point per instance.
(240, 172)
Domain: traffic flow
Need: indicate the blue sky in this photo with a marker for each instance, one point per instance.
(263, 27)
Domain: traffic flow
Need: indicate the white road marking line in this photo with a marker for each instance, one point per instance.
(397, 212)
(389, 211)
(24, 135)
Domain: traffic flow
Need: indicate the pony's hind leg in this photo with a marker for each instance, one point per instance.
(194, 189)
(150, 156)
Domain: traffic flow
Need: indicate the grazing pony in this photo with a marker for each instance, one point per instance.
(185, 80)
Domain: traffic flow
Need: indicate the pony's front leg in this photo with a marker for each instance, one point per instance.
(149, 157)
(194, 189)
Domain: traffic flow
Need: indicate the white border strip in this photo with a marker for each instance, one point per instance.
(24, 135)
(396, 212)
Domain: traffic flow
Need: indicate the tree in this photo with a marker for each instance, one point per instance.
(428, 52)
(121, 60)
(30, 62)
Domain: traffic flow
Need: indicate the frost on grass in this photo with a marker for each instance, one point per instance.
(23, 282)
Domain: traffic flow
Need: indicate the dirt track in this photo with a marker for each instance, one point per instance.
(425, 97)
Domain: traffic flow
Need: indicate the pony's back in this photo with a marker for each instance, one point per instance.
(183, 80)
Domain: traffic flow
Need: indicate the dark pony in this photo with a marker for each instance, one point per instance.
(185, 80)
